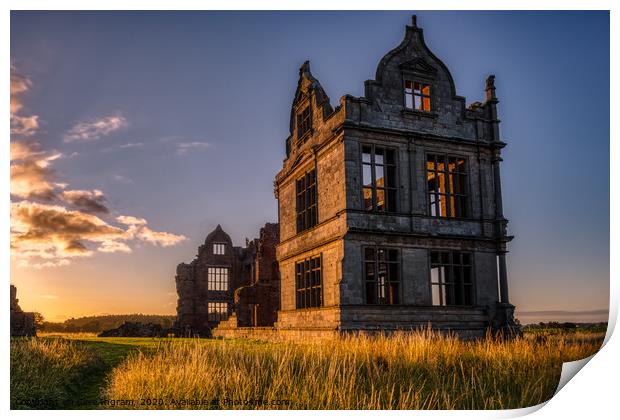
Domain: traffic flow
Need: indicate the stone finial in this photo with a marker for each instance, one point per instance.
(305, 67)
(490, 87)
(414, 21)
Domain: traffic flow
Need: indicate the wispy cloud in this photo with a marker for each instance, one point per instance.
(184, 148)
(21, 126)
(94, 129)
(87, 201)
(52, 225)
(44, 235)
(130, 145)
(31, 175)
(24, 126)
(138, 229)
(122, 178)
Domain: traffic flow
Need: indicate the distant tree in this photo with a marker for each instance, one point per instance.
(39, 320)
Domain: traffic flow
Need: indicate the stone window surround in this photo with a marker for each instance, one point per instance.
(218, 278)
(217, 311)
(310, 212)
(308, 288)
(415, 77)
(446, 155)
(219, 248)
(472, 267)
(300, 109)
(424, 98)
(398, 261)
(395, 189)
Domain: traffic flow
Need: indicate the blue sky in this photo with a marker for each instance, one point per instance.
(193, 112)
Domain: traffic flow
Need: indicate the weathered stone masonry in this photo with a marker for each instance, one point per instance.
(224, 279)
(22, 323)
(390, 206)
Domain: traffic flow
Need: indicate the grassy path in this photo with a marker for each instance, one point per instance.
(113, 350)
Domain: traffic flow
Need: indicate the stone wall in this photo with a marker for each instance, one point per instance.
(334, 147)
(253, 273)
(22, 323)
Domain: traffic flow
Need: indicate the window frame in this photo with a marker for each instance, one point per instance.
(306, 215)
(387, 189)
(217, 246)
(306, 297)
(389, 266)
(216, 283)
(450, 268)
(463, 198)
(217, 315)
(423, 83)
(303, 121)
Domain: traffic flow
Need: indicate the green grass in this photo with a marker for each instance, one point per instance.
(421, 371)
(50, 373)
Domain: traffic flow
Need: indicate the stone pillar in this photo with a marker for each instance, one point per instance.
(500, 221)
(500, 229)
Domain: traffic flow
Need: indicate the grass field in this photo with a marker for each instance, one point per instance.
(408, 371)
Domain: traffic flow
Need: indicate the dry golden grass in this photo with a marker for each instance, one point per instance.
(46, 372)
(403, 371)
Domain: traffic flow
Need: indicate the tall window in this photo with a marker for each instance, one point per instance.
(219, 248)
(304, 122)
(217, 278)
(451, 278)
(379, 178)
(309, 283)
(446, 177)
(217, 311)
(306, 201)
(382, 275)
(417, 96)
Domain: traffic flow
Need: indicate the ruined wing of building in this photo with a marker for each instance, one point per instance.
(389, 207)
(22, 323)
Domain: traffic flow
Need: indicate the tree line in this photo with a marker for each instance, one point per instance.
(98, 323)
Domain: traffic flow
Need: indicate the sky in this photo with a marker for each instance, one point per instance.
(133, 134)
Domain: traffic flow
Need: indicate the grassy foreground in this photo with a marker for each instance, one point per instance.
(46, 373)
(406, 371)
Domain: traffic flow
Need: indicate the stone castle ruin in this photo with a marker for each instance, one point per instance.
(225, 281)
(390, 217)
(22, 323)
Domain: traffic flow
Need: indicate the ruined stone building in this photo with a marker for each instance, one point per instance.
(22, 323)
(206, 287)
(390, 207)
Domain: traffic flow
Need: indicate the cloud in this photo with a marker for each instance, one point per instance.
(87, 201)
(19, 85)
(31, 175)
(49, 296)
(114, 246)
(94, 129)
(45, 235)
(183, 148)
(52, 225)
(139, 230)
(53, 232)
(123, 179)
(24, 126)
(164, 239)
(131, 220)
(130, 145)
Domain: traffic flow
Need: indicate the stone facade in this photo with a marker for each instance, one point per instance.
(408, 227)
(22, 323)
(224, 280)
